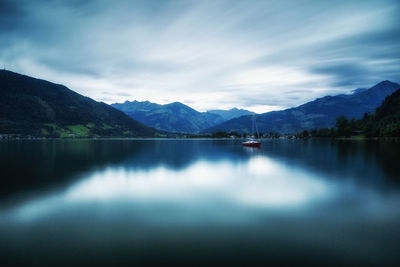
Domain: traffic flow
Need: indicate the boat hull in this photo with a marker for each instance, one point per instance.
(252, 144)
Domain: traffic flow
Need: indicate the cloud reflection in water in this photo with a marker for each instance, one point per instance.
(259, 182)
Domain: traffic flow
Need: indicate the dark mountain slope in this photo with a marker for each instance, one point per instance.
(176, 117)
(389, 111)
(173, 117)
(231, 113)
(41, 108)
(316, 114)
(136, 106)
(386, 121)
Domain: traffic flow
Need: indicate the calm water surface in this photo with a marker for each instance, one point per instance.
(186, 202)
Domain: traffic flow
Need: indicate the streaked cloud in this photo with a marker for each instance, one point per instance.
(260, 55)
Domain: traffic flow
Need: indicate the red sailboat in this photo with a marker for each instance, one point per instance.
(252, 142)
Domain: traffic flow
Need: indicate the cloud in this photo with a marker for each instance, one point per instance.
(212, 54)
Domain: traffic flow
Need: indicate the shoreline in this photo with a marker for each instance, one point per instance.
(353, 138)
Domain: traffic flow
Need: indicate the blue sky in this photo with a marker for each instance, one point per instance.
(259, 55)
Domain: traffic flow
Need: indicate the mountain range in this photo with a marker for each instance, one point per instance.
(30, 106)
(319, 113)
(176, 117)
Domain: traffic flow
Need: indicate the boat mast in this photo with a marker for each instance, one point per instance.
(254, 125)
(258, 136)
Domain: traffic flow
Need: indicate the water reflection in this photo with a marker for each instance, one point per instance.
(258, 182)
(288, 202)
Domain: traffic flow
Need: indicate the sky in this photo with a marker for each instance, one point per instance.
(217, 54)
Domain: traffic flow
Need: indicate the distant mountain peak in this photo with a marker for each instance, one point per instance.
(176, 116)
(176, 103)
(231, 113)
(319, 113)
(386, 83)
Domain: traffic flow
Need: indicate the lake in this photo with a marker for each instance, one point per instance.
(198, 202)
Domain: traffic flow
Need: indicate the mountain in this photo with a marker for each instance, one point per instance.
(230, 114)
(319, 113)
(386, 120)
(136, 106)
(176, 117)
(173, 117)
(30, 106)
(358, 90)
(389, 111)
(213, 118)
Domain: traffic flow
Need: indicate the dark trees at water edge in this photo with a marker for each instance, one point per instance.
(384, 123)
